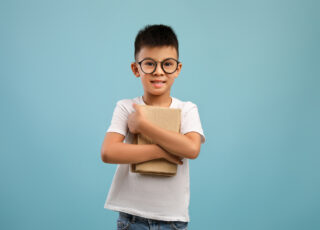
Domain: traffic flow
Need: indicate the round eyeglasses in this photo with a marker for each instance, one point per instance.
(169, 65)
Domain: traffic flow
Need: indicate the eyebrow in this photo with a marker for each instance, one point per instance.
(158, 61)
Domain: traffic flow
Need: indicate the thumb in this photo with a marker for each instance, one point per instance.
(135, 106)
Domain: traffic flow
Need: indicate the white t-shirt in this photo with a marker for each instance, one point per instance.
(148, 196)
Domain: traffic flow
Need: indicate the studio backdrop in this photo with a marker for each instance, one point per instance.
(252, 67)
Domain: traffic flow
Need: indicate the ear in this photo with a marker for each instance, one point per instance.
(176, 74)
(134, 69)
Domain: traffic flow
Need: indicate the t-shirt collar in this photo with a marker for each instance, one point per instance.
(142, 102)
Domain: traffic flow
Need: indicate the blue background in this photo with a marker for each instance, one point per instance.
(252, 67)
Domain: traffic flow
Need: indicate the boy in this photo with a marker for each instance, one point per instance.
(144, 201)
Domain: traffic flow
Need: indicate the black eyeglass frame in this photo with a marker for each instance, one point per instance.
(160, 65)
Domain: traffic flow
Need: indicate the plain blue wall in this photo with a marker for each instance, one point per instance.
(252, 67)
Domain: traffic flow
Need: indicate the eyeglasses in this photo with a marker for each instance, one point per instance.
(169, 65)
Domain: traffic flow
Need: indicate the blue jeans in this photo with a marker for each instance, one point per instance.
(130, 222)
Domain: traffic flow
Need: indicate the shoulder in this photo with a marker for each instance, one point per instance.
(127, 101)
(185, 106)
(190, 118)
(126, 104)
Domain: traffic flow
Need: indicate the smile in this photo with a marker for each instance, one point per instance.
(158, 84)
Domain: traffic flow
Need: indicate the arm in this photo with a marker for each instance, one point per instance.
(186, 146)
(114, 151)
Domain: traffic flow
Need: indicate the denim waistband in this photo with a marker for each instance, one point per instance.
(134, 218)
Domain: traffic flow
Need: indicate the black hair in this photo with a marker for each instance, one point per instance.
(155, 35)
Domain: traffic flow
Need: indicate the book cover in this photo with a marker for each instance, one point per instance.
(167, 118)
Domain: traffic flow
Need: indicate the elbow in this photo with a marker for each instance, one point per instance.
(194, 153)
(105, 156)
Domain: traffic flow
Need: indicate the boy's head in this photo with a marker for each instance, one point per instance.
(156, 59)
(155, 35)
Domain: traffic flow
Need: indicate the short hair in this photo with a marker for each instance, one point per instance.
(155, 35)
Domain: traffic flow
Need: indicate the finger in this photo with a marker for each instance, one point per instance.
(177, 160)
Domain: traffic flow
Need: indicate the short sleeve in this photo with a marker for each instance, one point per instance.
(119, 122)
(190, 120)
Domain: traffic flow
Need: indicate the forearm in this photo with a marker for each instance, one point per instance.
(123, 153)
(175, 143)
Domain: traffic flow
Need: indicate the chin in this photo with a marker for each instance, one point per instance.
(157, 92)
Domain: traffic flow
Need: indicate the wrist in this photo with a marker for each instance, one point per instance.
(159, 151)
(141, 125)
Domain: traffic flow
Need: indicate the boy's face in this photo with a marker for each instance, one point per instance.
(159, 82)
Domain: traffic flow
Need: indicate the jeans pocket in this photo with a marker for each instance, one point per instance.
(123, 224)
(179, 225)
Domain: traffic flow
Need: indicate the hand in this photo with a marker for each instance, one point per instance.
(170, 157)
(173, 159)
(135, 119)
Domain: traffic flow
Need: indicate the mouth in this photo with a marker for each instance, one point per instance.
(158, 83)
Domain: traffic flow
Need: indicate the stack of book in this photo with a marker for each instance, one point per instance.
(166, 118)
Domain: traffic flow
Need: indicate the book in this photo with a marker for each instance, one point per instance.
(166, 118)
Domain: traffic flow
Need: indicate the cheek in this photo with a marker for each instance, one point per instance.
(144, 80)
(171, 79)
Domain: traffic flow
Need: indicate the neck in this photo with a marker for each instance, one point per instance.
(155, 100)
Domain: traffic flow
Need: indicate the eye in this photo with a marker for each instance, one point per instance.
(168, 64)
(149, 63)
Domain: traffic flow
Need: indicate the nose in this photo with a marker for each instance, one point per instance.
(159, 70)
